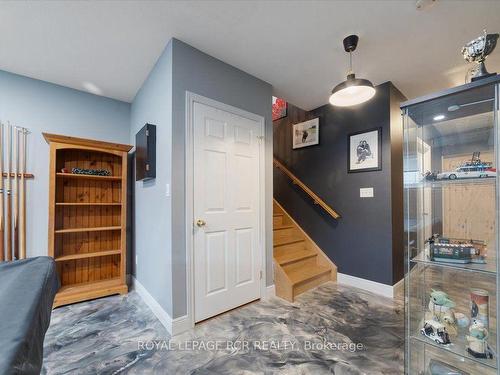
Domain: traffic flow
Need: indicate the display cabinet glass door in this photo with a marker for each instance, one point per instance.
(451, 227)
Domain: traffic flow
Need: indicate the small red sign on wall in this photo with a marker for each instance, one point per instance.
(279, 108)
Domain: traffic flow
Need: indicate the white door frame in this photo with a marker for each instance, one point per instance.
(192, 98)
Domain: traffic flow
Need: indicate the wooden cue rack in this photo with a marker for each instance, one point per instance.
(87, 218)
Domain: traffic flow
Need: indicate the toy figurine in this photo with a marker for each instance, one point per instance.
(477, 340)
(441, 310)
(440, 304)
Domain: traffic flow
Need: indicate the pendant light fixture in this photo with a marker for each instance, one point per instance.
(353, 90)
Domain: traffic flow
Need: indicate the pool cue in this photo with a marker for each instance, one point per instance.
(22, 199)
(2, 231)
(15, 195)
(8, 227)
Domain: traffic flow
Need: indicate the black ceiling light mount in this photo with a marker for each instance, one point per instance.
(353, 90)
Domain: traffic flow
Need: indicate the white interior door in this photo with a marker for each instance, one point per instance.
(227, 260)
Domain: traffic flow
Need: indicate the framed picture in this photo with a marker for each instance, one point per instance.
(305, 133)
(365, 151)
(280, 107)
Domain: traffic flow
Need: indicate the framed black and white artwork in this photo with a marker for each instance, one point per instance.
(365, 151)
(305, 133)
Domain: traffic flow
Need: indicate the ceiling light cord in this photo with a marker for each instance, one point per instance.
(350, 64)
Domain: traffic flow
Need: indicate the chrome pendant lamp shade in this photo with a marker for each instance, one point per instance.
(353, 90)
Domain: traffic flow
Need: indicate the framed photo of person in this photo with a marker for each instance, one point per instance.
(365, 151)
(305, 133)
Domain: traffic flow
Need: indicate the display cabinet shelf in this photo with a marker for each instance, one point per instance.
(488, 268)
(456, 350)
(452, 221)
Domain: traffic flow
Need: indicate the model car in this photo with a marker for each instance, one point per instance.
(480, 170)
(436, 332)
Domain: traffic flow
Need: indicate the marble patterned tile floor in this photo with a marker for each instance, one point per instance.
(333, 329)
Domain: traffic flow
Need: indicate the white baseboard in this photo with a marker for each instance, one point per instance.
(180, 325)
(270, 292)
(174, 326)
(368, 285)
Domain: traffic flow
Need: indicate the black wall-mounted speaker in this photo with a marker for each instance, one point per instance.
(145, 153)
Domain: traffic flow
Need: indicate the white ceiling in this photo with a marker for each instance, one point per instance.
(109, 47)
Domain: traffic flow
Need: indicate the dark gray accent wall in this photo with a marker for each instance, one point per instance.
(361, 242)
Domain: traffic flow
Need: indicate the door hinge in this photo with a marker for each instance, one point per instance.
(261, 275)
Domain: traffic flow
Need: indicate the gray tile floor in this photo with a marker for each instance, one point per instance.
(332, 329)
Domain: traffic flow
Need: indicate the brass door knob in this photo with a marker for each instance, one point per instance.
(200, 223)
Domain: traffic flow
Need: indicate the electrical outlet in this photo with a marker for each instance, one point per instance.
(167, 190)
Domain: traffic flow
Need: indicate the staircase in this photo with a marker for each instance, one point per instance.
(299, 264)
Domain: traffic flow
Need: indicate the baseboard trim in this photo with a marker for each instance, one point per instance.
(368, 285)
(173, 326)
(155, 307)
(270, 291)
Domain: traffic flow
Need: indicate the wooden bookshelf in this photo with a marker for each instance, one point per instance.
(87, 218)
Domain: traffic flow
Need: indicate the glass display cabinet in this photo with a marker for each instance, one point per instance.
(451, 208)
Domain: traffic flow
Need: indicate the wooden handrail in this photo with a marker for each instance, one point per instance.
(317, 200)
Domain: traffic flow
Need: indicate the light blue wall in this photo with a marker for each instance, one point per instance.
(197, 72)
(45, 107)
(152, 208)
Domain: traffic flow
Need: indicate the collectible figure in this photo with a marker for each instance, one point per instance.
(477, 340)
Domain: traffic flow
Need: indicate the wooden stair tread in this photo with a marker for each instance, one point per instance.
(306, 273)
(287, 240)
(277, 214)
(291, 256)
(283, 226)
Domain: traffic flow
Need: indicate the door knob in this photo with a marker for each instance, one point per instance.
(200, 223)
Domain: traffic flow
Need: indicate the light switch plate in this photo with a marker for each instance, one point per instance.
(366, 192)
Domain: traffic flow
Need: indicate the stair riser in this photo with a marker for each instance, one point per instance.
(278, 251)
(299, 264)
(311, 283)
(287, 233)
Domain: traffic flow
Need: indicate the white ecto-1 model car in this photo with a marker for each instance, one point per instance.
(468, 171)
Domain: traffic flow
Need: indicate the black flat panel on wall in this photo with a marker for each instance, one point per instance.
(360, 242)
(145, 153)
